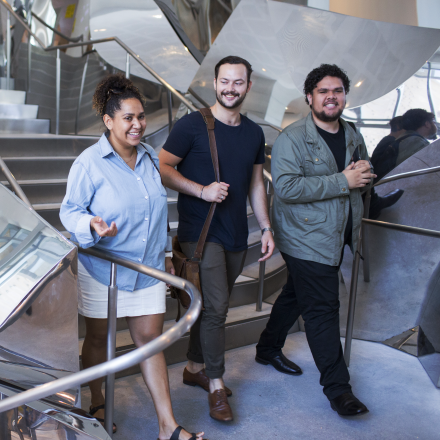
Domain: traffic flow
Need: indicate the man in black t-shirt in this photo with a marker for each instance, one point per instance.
(240, 145)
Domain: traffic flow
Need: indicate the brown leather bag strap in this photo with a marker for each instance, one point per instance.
(210, 124)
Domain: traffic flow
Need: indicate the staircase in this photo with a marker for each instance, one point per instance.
(41, 161)
(17, 117)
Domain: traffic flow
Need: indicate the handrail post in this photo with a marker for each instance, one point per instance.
(365, 239)
(352, 301)
(127, 66)
(9, 54)
(29, 54)
(170, 110)
(111, 350)
(81, 90)
(259, 306)
(14, 185)
(58, 90)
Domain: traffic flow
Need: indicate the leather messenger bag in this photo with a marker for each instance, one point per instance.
(188, 268)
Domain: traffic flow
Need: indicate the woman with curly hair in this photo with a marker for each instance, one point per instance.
(116, 202)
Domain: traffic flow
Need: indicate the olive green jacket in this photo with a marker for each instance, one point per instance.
(312, 198)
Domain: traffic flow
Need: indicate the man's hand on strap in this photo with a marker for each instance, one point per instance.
(216, 192)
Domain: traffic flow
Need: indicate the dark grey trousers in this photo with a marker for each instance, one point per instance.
(218, 271)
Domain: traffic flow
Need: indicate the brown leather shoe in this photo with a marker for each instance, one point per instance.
(200, 379)
(219, 408)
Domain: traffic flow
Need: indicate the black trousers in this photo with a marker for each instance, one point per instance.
(312, 290)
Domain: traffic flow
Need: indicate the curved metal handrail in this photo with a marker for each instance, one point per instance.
(15, 186)
(264, 124)
(403, 228)
(168, 86)
(121, 363)
(267, 175)
(408, 174)
(129, 359)
(55, 31)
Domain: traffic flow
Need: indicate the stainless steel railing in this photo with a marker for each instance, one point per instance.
(363, 247)
(130, 54)
(55, 31)
(259, 303)
(112, 365)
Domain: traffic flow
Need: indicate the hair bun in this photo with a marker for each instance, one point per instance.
(111, 91)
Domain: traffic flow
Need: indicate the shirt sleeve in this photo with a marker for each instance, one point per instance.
(260, 156)
(181, 138)
(74, 213)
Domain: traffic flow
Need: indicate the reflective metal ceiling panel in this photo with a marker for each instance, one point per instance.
(144, 28)
(284, 42)
(377, 56)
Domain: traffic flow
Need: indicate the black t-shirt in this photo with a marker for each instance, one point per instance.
(336, 143)
(239, 148)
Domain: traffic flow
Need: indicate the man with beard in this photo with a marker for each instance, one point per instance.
(240, 144)
(319, 165)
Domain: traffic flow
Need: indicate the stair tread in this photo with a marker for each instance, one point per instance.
(37, 182)
(46, 206)
(39, 158)
(46, 136)
(235, 316)
(273, 264)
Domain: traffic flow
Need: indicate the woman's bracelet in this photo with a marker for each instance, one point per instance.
(169, 254)
(201, 192)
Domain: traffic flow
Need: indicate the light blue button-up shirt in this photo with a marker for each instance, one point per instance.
(101, 183)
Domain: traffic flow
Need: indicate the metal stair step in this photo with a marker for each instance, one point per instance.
(243, 327)
(38, 167)
(44, 145)
(12, 97)
(18, 111)
(4, 83)
(20, 126)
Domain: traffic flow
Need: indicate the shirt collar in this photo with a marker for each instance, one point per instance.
(107, 149)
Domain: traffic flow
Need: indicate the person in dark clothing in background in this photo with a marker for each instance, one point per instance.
(412, 131)
(378, 203)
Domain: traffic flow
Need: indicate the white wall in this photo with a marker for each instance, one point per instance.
(428, 12)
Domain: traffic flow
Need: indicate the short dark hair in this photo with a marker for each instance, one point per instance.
(415, 118)
(396, 123)
(232, 59)
(319, 73)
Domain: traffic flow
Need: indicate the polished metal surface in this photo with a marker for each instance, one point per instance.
(37, 263)
(40, 420)
(143, 27)
(127, 360)
(400, 263)
(55, 31)
(111, 348)
(117, 40)
(18, 111)
(22, 377)
(284, 42)
(24, 126)
(12, 97)
(15, 186)
(408, 174)
(58, 92)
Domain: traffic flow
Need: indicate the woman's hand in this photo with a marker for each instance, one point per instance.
(100, 226)
(169, 267)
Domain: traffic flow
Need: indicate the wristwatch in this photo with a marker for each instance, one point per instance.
(268, 229)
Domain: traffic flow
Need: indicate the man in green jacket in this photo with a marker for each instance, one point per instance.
(319, 165)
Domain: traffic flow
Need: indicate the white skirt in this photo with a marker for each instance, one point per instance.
(93, 298)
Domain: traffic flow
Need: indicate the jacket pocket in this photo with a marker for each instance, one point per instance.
(309, 217)
(315, 166)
